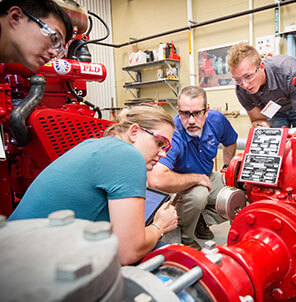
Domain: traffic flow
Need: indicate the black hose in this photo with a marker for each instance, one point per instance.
(82, 100)
(18, 116)
(89, 28)
(95, 41)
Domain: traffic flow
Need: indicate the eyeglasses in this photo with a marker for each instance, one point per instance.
(163, 142)
(247, 78)
(195, 114)
(55, 37)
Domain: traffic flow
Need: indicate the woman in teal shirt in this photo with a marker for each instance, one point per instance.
(105, 179)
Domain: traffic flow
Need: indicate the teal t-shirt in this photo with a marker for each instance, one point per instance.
(84, 178)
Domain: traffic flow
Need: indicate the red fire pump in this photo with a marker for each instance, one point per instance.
(259, 261)
(40, 120)
(43, 114)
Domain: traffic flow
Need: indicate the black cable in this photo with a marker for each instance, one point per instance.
(82, 100)
(89, 28)
(94, 41)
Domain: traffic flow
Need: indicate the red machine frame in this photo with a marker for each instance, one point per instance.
(57, 123)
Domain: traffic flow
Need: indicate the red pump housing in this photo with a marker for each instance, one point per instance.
(54, 122)
(258, 263)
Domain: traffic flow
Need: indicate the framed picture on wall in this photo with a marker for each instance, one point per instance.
(212, 68)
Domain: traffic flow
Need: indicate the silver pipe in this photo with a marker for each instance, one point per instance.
(240, 144)
(152, 263)
(186, 280)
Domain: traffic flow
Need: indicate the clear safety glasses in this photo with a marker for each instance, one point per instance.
(247, 78)
(56, 38)
(162, 141)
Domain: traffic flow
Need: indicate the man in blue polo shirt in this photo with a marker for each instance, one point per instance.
(187, 168)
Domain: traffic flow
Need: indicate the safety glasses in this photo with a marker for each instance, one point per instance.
(56, 38)
(196, 114)
(162, 141)
(247, 78)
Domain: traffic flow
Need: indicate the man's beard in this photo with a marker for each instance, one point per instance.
(197, 133)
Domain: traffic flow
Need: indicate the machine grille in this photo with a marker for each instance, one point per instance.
(59, 131)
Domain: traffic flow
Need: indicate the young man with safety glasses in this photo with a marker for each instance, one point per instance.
(32, 32)
(188, 167)
(264, 87)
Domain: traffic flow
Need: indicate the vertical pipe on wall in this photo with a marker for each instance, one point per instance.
(191, 43)
(291, 45)
(251, 30)
(277, 21)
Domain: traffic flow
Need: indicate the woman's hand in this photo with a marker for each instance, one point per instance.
(166, 218)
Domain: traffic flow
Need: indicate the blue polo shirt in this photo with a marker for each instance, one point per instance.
(193, 154)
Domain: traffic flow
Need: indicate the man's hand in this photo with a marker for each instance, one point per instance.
(204, 180)
(257, 118)
(261, 124)
(162, 178)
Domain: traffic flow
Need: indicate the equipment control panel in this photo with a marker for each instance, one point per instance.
(263, 156)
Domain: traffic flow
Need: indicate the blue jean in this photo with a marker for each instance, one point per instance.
(287, 119)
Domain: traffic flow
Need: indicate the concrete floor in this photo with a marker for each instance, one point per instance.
(220, 232)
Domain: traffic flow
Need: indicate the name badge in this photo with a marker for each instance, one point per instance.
(271, 109)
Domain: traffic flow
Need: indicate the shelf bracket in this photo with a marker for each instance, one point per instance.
(134, 79)
(132, 93)
(172, 89)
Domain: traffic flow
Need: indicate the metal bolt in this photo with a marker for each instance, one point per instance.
(215, 258)
(60, 218)
(152, 263)
(233, 235)
(98, 230)
(186, 279)
(2, 221)
(289, 190)
(246, 299)
(277, 293)
(72, 270)
(250, 219)
(143, 297)
(277, 224)
(211, 252)
(210, 245)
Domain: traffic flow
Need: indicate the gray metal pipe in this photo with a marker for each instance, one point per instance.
(212, 21)
(186, 279)
(152, 264)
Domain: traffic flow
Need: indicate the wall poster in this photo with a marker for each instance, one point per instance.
(212, 68)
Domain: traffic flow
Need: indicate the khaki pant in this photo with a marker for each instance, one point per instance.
(194, 201)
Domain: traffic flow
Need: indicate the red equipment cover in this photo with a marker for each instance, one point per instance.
(54, 132)
(63, 69)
